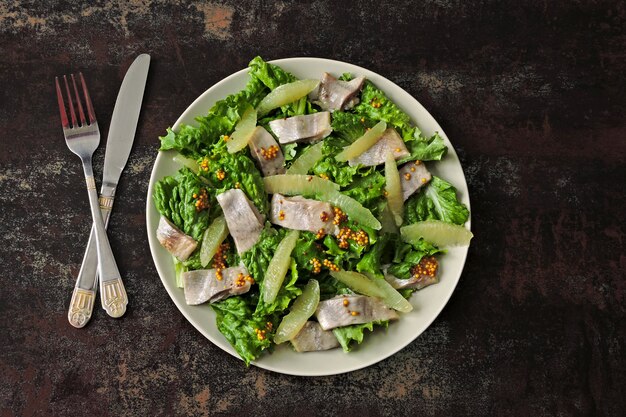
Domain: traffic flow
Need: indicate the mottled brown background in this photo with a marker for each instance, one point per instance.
(530, 93)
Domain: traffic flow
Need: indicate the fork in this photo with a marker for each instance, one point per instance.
(83, 139)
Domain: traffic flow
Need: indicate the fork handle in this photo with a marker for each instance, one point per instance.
(112, 292)
(81, 306)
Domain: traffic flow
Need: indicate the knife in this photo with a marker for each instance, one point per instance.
(119, 143)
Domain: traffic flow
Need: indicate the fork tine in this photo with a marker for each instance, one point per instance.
(92, 114)
(80, 106)
(71, 106)
(64, 120)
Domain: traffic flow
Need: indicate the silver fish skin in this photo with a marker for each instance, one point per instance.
(244, 221)
(174, 240)
(390, 141)
(313, 338)
(415, 282)
(202, 285)
(338, 311)
(259, 144)
(307, 128)
(333, 94)
(413, 176)
(300, 213)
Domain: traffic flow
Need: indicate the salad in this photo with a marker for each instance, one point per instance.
(304, 211)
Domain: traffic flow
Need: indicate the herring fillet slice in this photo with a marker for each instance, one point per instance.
(303, 308)
(278, 266)
(325, 190)
(174, 240)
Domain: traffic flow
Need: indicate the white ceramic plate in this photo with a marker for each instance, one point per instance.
(378, 345)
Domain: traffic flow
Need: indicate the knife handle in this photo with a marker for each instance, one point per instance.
(83, 297)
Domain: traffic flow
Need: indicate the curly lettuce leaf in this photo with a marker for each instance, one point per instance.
(373, 259)
(306, 249)
(420, 147)
(387, 111)
(194, 141)
(273, 76)
(437, 201)
(347, 335)
(406, 256)
(350, 126)
(237, 322)
(368, 190)
(339, 172)
(424, 149)
(290, 151)
(269, 74)
(174, 199)
(258, 257)
(240, 172)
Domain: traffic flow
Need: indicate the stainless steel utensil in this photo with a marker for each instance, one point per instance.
(119, 144)
(83, 140)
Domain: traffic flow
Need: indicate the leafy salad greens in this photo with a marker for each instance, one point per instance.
(324, 288)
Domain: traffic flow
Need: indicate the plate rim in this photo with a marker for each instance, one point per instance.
(224, 344)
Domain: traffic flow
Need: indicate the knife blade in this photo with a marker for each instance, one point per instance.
(119, 143)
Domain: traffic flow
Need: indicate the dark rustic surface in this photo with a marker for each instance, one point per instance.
(532, 96)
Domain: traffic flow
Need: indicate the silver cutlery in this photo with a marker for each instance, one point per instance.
(83, 139)
(119, 143)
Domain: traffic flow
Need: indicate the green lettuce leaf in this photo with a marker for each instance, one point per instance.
(348, 334)
(421, 148)
(236, 321)
(290, 151)
(240, 171)
(368, 189)
(173, 198)
(339, 172)
(194, 141)
(269, 74)
(436, 201)
(424, 149)
(330, 287)
(373, 259)
(387, 111)
(350, 126)
(306, 249)
(273, 76)
(258, 257)
(406, 256)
